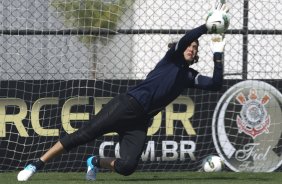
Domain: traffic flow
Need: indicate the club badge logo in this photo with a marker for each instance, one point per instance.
(253, 119)
(247, 127)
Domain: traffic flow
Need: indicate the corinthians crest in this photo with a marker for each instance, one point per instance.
(256, 107)
(253, 119)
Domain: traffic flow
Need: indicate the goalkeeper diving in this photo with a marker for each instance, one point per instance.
(129, 114)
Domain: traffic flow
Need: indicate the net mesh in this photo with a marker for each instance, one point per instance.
(61, 60)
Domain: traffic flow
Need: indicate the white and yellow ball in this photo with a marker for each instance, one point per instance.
(217, 22)
(212, 163)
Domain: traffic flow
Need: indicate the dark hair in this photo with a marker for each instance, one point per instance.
(196, 58)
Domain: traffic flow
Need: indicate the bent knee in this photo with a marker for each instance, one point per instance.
(125, 167)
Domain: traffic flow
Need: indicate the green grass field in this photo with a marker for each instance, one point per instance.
(150, 177)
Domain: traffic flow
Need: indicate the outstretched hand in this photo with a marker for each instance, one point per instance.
(219, 9)
(217, 44)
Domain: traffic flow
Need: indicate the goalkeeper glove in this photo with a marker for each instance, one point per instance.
(217, 44)
(217, 21)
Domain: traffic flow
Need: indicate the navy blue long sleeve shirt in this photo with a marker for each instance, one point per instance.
(172, 75)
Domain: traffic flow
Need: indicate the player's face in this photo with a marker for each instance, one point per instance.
(191, 52)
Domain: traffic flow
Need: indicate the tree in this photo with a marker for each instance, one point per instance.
(92, 15)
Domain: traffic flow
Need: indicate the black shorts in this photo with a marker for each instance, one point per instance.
(124, 115)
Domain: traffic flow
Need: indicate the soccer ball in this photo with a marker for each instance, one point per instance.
(217, 22)
(212, 163)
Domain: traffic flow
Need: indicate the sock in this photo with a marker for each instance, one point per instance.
(38, 164)
(96, 161)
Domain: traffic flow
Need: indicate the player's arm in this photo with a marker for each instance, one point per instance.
(214, 17)
(213, 83)
(189, 37)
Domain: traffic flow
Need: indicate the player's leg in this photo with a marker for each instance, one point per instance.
(131, 146)
(56, 150)
(94, 162)
(102, 123)
(31, 169)
(65, 144)
(132, 128)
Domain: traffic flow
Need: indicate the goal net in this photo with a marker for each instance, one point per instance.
(62, 60)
